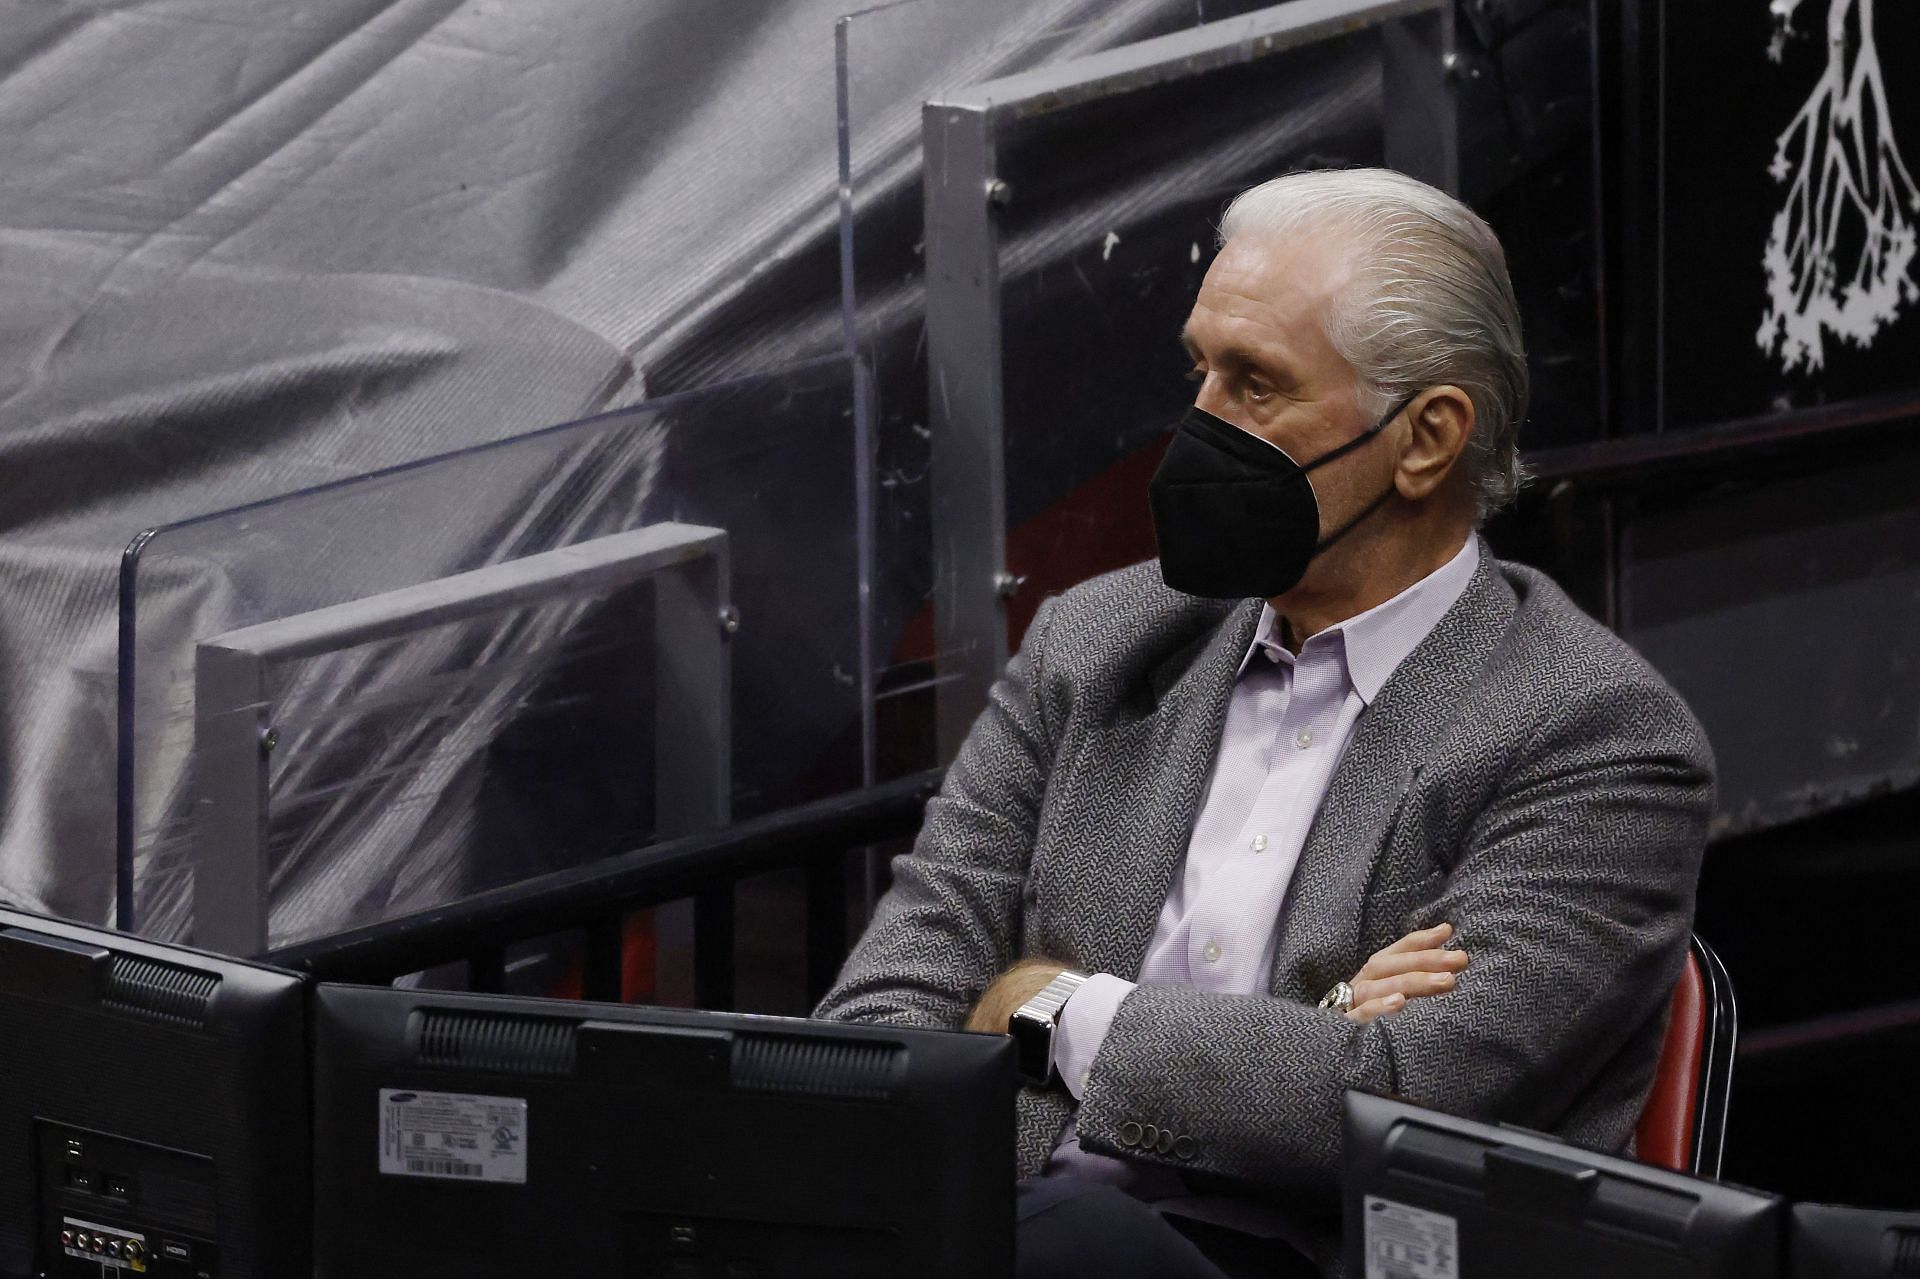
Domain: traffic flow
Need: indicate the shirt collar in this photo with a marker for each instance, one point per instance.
(1375, 642)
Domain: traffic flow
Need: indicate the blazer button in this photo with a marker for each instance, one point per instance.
(1166, 1143)
(1183, 1148)
(1129, 1134)
(1150, 1136)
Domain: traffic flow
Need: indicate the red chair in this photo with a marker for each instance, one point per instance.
(1684, 1125)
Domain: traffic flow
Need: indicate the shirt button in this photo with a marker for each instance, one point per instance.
(1259, 843)
(1212, 952)
(1304, 738)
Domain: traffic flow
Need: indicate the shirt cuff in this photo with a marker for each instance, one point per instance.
(1082, 1028)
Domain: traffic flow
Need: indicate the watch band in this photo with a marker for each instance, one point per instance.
(1035, 1022)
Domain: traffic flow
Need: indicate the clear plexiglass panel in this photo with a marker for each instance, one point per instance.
(466, 749)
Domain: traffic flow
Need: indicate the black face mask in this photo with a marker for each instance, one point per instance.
(1235, 516)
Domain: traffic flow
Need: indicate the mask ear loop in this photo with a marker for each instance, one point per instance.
(1349, 447)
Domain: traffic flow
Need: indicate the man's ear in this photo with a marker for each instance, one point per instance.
(1440, 421)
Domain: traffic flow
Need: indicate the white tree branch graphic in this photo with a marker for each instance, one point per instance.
(1849, 195)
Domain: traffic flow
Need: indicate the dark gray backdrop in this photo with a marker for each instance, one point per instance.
(248, 246)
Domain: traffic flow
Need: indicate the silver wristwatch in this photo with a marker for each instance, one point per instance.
(1034, 1022)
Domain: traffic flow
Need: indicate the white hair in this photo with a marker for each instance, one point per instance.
(1431, 303)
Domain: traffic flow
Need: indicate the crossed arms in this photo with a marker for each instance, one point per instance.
(1572, 889)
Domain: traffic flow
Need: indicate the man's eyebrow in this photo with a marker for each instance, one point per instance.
(1230, 355)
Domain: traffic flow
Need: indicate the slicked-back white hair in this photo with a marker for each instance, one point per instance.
(1430, 301)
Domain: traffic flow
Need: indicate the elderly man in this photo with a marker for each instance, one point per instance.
(1178, 851)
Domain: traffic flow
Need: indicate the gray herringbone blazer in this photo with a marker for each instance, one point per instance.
(1524, 775)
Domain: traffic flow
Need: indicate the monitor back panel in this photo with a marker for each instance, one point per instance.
(1833, 1241)
(153, 1109)
(1429, 1193)
(534, 1136)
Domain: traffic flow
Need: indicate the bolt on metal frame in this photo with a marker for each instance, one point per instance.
(965, 387)
(234, 733)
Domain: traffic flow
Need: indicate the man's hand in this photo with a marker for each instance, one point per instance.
(1411, 967)
(1010, 990)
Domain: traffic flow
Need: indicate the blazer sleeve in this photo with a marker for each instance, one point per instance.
(1573, 893)
(952, 920)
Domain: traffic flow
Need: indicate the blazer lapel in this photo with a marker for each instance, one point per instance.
(1152, 764)
(1320, 920)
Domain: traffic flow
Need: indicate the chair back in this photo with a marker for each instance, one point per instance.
(1684, 1124)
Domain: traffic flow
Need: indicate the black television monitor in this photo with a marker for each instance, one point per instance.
(498, 1135)
(153, 1109)
(1429, 1194)
(1828, 1241)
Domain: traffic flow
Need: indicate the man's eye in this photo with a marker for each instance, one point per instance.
(1258, 392)
(1196, 374)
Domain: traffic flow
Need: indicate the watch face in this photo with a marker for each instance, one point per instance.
(1032, 1045)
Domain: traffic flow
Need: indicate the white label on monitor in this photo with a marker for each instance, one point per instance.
(453, 1136)
(1404, 1242)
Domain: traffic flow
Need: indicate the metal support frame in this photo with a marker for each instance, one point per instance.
(1721, 1042)
(233, 714)
(967, 404)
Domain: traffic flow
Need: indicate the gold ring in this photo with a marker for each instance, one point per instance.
(1341, 997)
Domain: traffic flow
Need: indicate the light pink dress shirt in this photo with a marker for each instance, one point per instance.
(1289, 721)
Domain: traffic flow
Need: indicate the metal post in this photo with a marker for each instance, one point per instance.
(233, 740)
(713, 957)
(487, 971)
(1418, 67)
(967, 410)
(694, 623)
(604, 962)
(826, 928)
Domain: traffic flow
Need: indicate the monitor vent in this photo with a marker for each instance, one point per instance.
(816, 1067)
(486, 1041)
(154, 989)
(1906, 1252)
